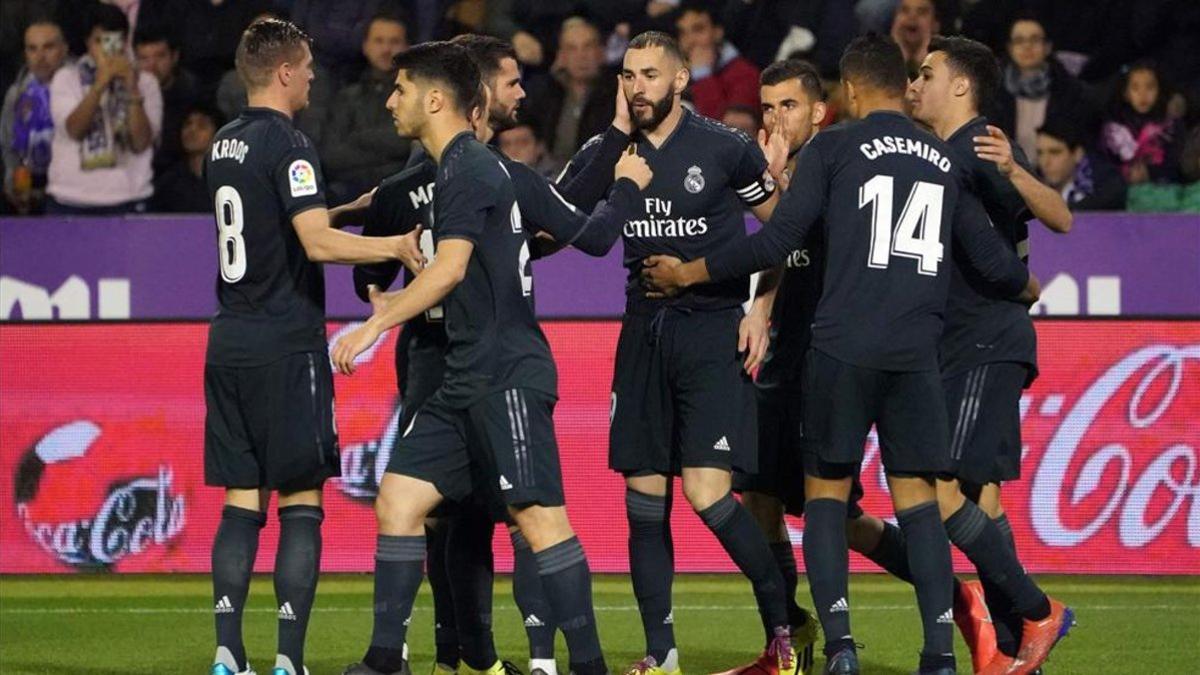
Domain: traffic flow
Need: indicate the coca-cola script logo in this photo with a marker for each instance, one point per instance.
(1098, 465)
(135, 513)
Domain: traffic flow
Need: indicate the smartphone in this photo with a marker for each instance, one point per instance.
(112, 42)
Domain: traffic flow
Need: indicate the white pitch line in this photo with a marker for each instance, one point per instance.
(599, 608)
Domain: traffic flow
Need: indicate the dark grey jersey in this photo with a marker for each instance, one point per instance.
(892, 200)
(982, 326)
(261, 171)
(705, 174)
(495, 342)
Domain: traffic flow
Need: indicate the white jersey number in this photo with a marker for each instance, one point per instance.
(916, 235)
(231, 247)
(429, 251)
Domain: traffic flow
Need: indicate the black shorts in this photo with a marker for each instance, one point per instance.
(842, 401)
(500, 451)
(780, 453)
(680, 397)
(984, 409)
(271, 426)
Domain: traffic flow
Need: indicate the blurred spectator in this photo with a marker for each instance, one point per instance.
(106, 116)
(158, 55)
(1137, 132)
(742, 117)
(231, 96)
(576, 101)
(721, 76)
(26, 126)
(523, 144)
(208, 33)
(361, 146)
(1189, 163)
(338, 30)
(914, 25)
(875, 15)
(181, 188)
(1037, 88)
(1086, 181)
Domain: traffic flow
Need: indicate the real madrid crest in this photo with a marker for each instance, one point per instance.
(694, 181)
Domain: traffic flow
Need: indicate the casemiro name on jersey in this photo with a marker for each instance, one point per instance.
(890, 145)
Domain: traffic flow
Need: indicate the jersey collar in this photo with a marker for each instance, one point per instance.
(684, 120)
(265, 112)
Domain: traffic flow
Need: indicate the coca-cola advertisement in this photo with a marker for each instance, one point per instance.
(101, 447)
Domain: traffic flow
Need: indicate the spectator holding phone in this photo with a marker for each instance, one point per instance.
(106, 116)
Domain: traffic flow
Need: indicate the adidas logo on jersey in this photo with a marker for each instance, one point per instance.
(504, 484)
(532, 621)
(224, 606)
(947, 616)
(286, 613)
(722, 444)
(840, 606)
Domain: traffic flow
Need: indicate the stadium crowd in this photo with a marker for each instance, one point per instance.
(110, 107)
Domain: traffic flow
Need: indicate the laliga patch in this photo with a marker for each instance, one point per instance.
(302, 179)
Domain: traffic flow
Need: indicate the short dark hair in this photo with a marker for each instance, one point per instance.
(1063, 130)
(107, 17)
(875, 60)
(391, 16)
(448, 64)
(797, 69)
(698, 7)
(486, 52)
(972, 60)
(151, 35)
(655, 38)
(264, 45)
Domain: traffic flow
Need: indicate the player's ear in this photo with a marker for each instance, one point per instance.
(818, 112)
(682, 77)
(434, 100)
(962, 86)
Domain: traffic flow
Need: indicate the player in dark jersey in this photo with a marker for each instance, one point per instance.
(892, 200)
(683, 401)
(489, 427)
(268, 387)
(988, 347)
(401, 204)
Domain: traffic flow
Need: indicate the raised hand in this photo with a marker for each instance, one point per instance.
(995, 148)
(621, 119)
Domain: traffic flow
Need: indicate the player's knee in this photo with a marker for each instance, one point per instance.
(863, 533)
(949, 497)
(394, 515)
(703, 494)
(543, 526)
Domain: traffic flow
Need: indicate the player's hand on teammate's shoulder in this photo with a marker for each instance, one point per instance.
(660, 276)
(995, 148)
(351, 344)
(634, 167)
(621, 120)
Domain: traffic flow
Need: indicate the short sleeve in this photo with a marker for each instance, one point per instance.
(462, 202)
(748, 175)
(298, 176)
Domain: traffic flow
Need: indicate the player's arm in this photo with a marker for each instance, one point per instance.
(799, 208)
(324, 244)
(1044, 202)
(586, 179)
(987, 253)
(751, 182)
(568, 226)
(351, 214)
(754, 331)
(432, 286)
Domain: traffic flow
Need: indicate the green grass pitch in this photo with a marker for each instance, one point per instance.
(92, 625)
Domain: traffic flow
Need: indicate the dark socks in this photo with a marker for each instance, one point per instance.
(297, 567)
(891, 553)
(827, 560)
(398, 562)
(785, 561)
(445, 633)
(531, 600)
(652, 568)
(568, 585)
(742, 539)
(929, 560)
(233, 553)
(471, 576)
(977, 536)
(1004, 619)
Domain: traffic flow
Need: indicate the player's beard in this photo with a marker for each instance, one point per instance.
(658, 111)
(502, 120)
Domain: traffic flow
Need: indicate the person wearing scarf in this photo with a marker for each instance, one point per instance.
(106, 116)
(26, 127)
